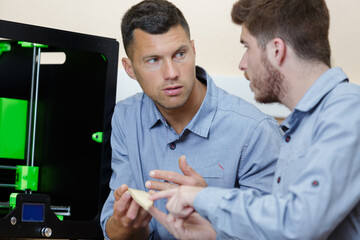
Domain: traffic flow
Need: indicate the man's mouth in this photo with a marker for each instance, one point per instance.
(173, 91)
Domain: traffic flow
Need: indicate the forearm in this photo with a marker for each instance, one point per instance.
(116, 231)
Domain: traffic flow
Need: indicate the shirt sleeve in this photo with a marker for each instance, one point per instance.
(320, 197)
(259, 156)
(121, 173)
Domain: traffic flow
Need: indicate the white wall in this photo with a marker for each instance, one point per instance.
(216, 37)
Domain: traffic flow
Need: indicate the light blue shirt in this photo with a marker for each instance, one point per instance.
(316, 190)
(229, 142)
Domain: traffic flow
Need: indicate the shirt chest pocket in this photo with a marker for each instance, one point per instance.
(213, 175)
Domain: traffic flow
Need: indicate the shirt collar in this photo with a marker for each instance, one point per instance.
(320, 88)
(201, 122)
(328, 81)
(154, 114)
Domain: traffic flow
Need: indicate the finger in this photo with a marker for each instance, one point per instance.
(169, 176)
(120, 191)
(152, 192)
(170, 219)
(121, 206)
(158, 215)
(194, 178)
(162, 218)
(187, 170)
(178, 224)
(146, 221)
(163, 194)
(131, 214)
(194, 218)
(187, 212)
(185, 167)
(172, 225)
(157, 185)
(123, 203)
(177, 209)
(133, 210)
(142, 218)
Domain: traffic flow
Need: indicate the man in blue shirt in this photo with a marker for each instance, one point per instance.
(316, 190)
(228, 142)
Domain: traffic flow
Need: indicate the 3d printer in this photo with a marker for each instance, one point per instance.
(55, 124)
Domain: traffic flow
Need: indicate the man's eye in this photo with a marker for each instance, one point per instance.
(180, 54)
(153, 60)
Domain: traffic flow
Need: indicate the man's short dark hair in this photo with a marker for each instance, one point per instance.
(304, 24)
(153, 17)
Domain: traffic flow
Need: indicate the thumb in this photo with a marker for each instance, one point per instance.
(120, 191)
(185, 167)
(158, 215)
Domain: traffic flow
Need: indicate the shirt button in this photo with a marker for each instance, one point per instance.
(287, 139)
(315, 183)
(278, 179)
(172, 146)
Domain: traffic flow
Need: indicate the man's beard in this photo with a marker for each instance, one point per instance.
(268, 83)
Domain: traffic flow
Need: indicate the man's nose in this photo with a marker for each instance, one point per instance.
(171, 70)
(243, 64)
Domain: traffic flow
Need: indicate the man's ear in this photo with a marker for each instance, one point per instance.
(128, 66)
(193, 46)
(277, 51)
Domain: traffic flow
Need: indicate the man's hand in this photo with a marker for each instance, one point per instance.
(174, 180)
(182, 222)
(127, 211)
(128, 218)
(193, 227)
(180, 200)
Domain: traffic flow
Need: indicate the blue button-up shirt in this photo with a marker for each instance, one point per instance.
(316, 191)
(229, 142)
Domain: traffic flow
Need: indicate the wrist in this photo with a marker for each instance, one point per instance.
(192, 193)
(116, 230)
